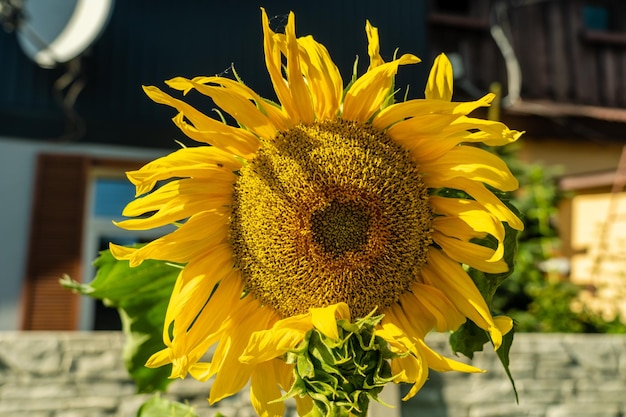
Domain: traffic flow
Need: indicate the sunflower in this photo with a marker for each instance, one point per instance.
(318, 211)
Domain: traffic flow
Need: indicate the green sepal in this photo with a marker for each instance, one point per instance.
(341, 375)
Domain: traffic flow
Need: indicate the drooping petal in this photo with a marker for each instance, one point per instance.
(433, 300)
(274, 112)
(480, 257)
(178, 200)
(412, 368)
(205, 129)
(440, 363)
(264, 389)
(198, 162)
(238, 105)
(471, 213)
(473, 163)
(193, 335)
(231, 375)
(284, 335)
(194, 286)
(447, 275)
(482, 195)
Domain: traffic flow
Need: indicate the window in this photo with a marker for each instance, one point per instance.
(109, 192)
(604, 22)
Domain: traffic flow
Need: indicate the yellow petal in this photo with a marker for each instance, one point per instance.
(264, 389)
(238, 106)
(160, 358)
(473, 214)
(491, 133)
(412, 318)
(447, 275)
(373, 46)
(301, 97)
(275, 113)
(292, 92)
(322, 76)
(412, 368)
(237, 141)
(275, 342)
(200, 371)
(177, 200)
(434, 301)
(182, 163)
(419, 127)
(230, 374)
(195, 284)
(473, 163)
(455, 227)
(442, 364)
(195, 333)
(369, 91)
(482, 195)
(325, 319)
(197, 236)
(398, 112)
(439, 85)
(273, 63)
(503, 323)
(477, 256)
(304, 405)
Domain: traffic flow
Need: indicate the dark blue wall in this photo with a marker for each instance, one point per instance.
(147, 42)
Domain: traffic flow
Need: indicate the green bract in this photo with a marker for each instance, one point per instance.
(342, 375)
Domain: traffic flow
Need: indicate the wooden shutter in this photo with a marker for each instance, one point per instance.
(56, 237)
(55, 242)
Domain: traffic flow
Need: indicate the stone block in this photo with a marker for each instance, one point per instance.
(544, 391)
(29, 414)
(497, 410)
(37, 390)
(113, 389)
(583, 410)
(37, 354)
(606, 391)
(83, 413)
(595, 352)
(106, 365)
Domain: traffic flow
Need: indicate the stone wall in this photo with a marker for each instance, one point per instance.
(53, 374)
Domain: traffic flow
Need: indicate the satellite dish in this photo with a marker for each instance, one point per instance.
(56, 31)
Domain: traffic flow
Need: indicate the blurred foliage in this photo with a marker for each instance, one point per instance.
(537, 294)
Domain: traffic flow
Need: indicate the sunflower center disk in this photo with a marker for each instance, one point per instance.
(330, 212)
(340, 227)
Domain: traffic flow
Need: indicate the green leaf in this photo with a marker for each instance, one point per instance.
(141, 295)
(160, 407)
(469, 338)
